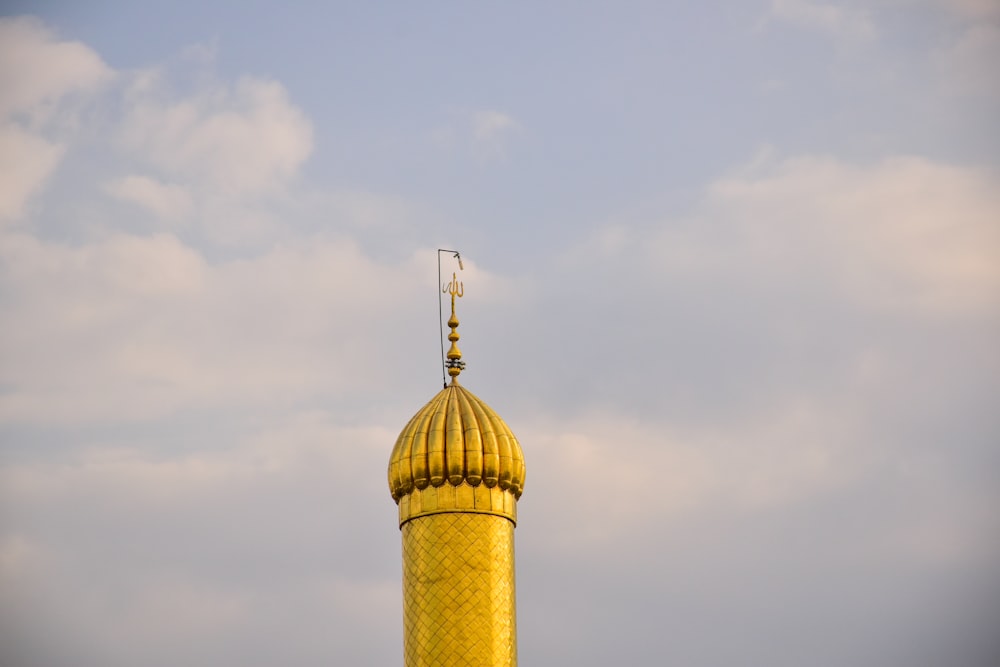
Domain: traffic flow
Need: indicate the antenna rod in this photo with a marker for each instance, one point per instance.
(457, 256)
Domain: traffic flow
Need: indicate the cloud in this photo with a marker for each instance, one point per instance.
(37, 71)
(483, 132)
(26, 162)
(177, 573)
(240, 140)
(202, 156)
(36, 68)
(168, 201)
(837, 20)
(219, 158)
(811, 329)
(901, 233)
(489, 130)
(487, 126)
(664, 475)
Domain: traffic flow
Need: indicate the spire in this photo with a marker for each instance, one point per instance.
(455, 365)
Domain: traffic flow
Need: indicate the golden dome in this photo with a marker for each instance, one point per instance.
(456, 454)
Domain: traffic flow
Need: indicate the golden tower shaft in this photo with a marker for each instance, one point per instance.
(458, 591)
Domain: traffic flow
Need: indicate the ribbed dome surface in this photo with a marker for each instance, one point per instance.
(456, 438)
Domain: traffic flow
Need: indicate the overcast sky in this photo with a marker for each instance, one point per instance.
(732, 276)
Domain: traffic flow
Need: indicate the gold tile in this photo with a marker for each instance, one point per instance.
(458, 591)
(428, 499)
(465, 497)
(496, 499)
(445, 497)
(483, 498)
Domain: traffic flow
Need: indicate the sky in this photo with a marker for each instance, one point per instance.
(732, 276)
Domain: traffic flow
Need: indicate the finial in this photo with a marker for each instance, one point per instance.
(455, 365)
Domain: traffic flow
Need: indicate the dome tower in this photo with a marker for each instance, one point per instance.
(456, 473)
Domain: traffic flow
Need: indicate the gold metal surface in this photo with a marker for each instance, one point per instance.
(462, 498)
(456, 439)
(458, 591)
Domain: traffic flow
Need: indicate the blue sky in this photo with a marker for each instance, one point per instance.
(731, 276)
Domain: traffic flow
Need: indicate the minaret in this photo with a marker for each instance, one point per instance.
(456, 473)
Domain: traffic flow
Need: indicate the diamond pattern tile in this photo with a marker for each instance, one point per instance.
(458, 591)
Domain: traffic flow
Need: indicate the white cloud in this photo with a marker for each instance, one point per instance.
(168, 201)
(838, 20)
(216, 158)
(243, 140)
(902, 233)
(175, 570)
(788, 457)
(37, 69)
(133, 327)
(26, 162)
(485, 133)
(36, 72)
(184, 481)
(487, 126)
(490, 130)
